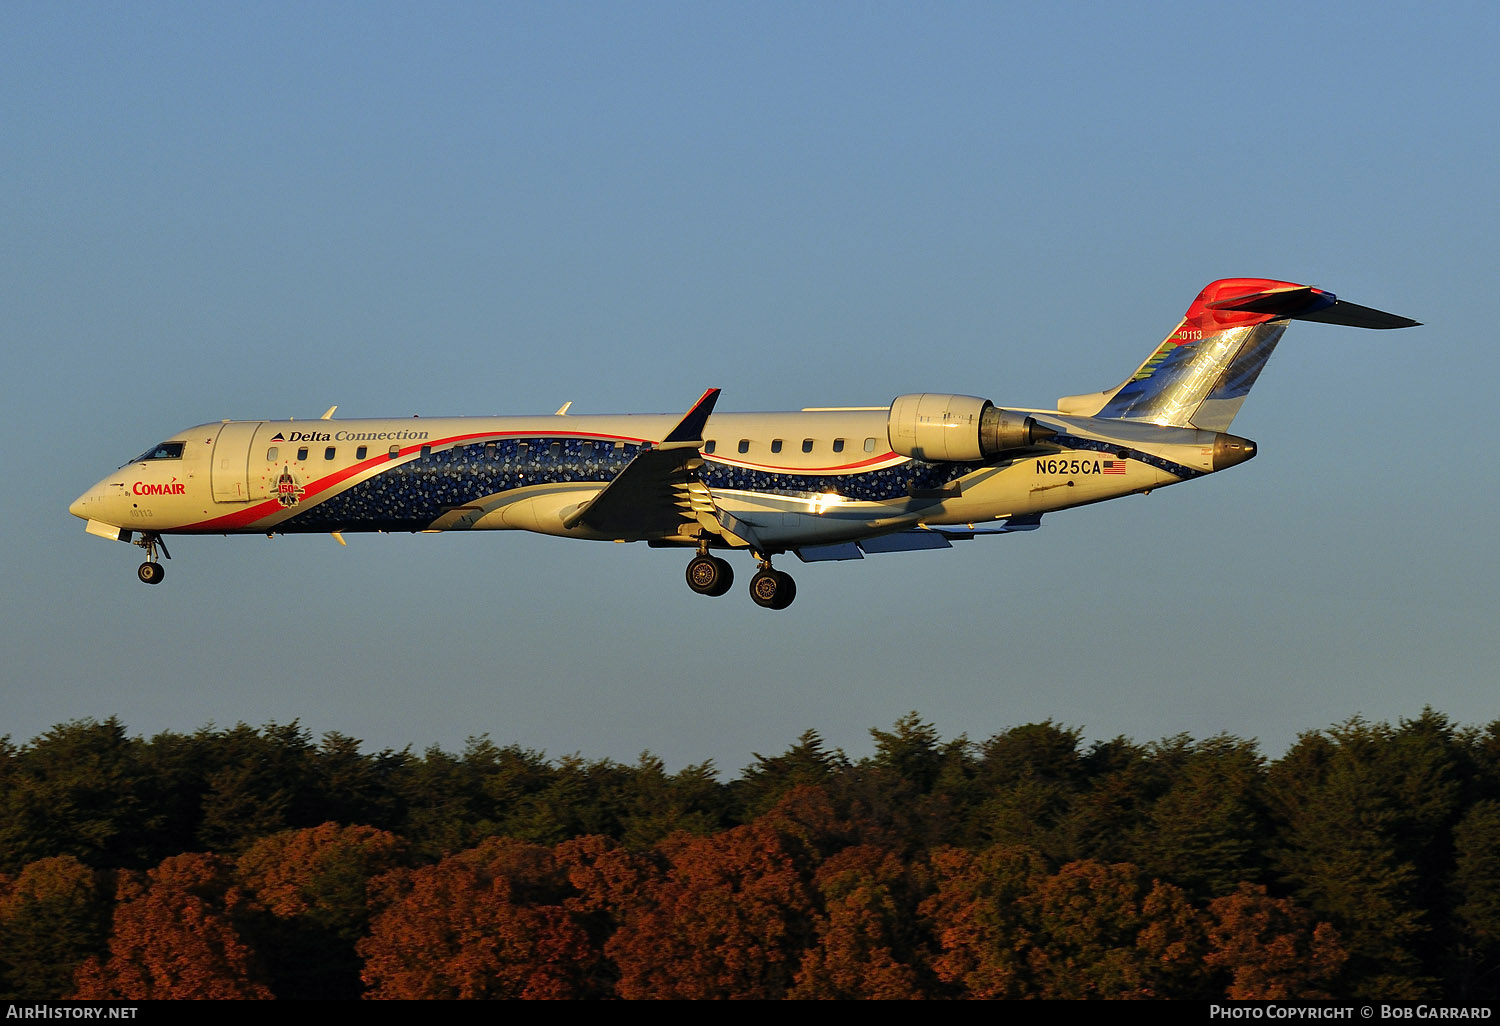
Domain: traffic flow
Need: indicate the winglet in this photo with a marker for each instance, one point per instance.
(690, 427)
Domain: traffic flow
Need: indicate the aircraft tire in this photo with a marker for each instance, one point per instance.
(709, 575)
(786, 593)
(768, 587)
(726, 577)
(151, 573)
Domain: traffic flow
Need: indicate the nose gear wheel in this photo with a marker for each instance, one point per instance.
(151, 572)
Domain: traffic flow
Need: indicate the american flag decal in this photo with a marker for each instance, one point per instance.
(1114, 466)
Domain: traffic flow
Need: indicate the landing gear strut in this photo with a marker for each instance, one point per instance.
(151, 572)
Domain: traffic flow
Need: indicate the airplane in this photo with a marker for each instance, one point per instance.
(830, 483)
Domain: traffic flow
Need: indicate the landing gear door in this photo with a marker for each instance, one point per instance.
(231, 461)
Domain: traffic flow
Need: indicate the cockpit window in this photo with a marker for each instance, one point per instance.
(164, 451)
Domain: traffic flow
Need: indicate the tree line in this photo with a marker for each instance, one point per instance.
(261, 862)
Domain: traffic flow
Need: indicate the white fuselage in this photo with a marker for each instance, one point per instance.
(798, 478)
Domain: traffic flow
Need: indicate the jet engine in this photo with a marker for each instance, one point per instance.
(958, 428)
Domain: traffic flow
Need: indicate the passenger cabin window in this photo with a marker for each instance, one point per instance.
(271, 454)
(838, 445)
(328, 453)
(522, 448)
(708, 446)
(555, 450)
(807, 445)
(775, 445)
(586, 450)
(361, 452)
(302, 453)
(869, 445)
(426, 450)
(393, 451)
(164, 451)
(744, 445)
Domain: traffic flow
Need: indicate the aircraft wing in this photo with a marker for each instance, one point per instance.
(649, 495)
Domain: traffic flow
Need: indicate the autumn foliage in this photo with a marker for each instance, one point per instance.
(176, 934)
(1028, 866)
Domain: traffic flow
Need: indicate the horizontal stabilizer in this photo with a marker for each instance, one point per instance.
(1356, 316)
(1304, 303)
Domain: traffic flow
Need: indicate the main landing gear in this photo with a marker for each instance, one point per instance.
(151, 572)
(772, 588)
(710, 575)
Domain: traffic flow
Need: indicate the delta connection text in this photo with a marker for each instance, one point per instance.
(1275, 1011)
(402, 435)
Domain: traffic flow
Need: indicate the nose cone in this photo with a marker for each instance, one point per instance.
(92, 504)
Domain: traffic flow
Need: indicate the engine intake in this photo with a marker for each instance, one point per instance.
(958, 428)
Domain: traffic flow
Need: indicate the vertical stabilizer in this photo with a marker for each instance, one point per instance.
(1200, 374)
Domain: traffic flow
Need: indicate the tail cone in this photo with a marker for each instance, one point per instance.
(1231, 451)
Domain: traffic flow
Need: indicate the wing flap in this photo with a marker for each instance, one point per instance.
(914, 540)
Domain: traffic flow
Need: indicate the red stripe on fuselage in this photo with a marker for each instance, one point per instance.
(774, 468)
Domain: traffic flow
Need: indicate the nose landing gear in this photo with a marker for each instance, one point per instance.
(151, 572)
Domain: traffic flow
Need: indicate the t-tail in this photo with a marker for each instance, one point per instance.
(1199, 376)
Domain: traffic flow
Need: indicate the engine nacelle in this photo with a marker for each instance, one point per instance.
(958, 428)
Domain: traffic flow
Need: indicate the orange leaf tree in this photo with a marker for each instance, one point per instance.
(178, 934)
(491, 922)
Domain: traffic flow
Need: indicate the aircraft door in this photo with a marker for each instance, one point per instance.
(231, 461)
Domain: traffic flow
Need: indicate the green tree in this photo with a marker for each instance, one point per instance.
(76, 790)
(53, 915)
(1103, 931)
(1025, 782)
(1476, 897)
(258, 782)
(1363, 814)
(806, 764)
(1206, 831)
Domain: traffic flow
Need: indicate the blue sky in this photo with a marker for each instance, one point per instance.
(259, 211)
